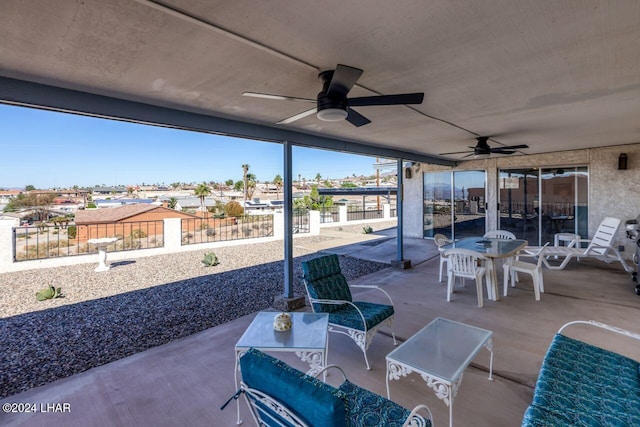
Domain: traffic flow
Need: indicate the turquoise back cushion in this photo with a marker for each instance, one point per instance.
(585, 385)
(317, 403)
(324, 280)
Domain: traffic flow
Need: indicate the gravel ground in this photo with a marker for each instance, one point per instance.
(137, 305)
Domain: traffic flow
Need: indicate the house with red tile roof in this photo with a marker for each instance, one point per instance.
(122, 221)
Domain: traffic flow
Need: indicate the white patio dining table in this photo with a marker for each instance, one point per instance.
(492, 249)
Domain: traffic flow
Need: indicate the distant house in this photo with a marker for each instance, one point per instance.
(124, 221)
(108, 203)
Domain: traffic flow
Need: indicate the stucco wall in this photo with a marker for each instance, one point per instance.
(612, 192)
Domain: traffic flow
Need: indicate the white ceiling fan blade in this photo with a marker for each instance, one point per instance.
(276, 97)
(297, 116)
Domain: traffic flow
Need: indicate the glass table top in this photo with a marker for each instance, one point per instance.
(308, 331)
(443, 348)
(492, 247)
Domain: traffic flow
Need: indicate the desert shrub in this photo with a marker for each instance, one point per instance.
(131, 243)
(72, 231)
(138, 233)
(211, 232)
(204, 226)
(233, 208)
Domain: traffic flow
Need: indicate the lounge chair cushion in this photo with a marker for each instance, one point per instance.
(325, 281)
(580, 384)
(317, 403)
(374, 314)
(369, 409)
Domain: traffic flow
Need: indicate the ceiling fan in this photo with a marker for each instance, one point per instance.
(332, 104)
(482, 149)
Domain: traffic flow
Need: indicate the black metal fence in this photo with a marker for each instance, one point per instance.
(205, 230)
(300, 221)
(51, 241)
(359, 214)
(329, 214)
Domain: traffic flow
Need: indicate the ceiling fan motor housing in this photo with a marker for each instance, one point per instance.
(330, 109)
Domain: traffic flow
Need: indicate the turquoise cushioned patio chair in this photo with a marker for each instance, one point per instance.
(328, 292)
(279, 395)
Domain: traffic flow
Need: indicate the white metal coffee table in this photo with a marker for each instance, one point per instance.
(440, 352)
(307, 338)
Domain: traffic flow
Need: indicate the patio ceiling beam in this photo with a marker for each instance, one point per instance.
(30, 94)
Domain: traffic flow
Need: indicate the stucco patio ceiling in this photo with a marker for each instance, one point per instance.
(553, 75)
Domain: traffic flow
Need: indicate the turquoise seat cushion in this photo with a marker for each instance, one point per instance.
(316, 403)
(370, 409)
(586, 385)
(373, 313)
(325, 281)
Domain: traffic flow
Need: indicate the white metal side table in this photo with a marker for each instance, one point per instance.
(440, 352)
(307, 338)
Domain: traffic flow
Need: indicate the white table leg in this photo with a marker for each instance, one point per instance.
(443, 390)
(492, 289)
(239, 354)
(489, 346)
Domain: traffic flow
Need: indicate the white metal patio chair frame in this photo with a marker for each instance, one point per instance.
(337, 324)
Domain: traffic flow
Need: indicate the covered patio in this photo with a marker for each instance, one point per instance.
(560, 81)
(186, 381)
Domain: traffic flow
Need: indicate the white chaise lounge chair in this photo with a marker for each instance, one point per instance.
(600, 247)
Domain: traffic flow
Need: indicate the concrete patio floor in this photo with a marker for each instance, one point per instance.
(186, 381)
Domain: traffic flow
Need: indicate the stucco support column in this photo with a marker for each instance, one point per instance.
(492, 191)
(386, 211)
(278, 225)
(342, 214)
(172, 234)
(6, 243)
(314, 223)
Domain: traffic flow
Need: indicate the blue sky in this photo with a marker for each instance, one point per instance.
(48, 149)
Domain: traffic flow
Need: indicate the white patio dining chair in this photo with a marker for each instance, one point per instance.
(535, 270)
(506, 235)
(441, 240)
(465, 263)
(499, 234)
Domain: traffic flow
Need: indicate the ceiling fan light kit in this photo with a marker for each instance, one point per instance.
(332, 114)
(332, 104)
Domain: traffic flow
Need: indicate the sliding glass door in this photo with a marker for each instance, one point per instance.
(535, 204)
(437, 203)
(564, 206)
(519, 203)
(454, 203)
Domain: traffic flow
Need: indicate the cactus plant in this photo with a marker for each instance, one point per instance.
(210, 259)
(49, 293)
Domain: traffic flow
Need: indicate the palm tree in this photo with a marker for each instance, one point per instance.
(250, 185)
(202, 191)
(172, 203)
(318, 178)
(245, 170)
(277, 181)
